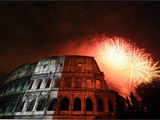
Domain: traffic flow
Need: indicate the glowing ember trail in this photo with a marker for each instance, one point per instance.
(125, 65)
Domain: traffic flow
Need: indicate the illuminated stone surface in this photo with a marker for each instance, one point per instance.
(58, 87)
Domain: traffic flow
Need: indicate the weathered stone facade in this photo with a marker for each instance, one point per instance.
(63, 87)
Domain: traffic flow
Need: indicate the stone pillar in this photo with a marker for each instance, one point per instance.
(52, 83)
(24, 109)
(70, 102)
(34, 84)
(36, 103)
(94, 104)
(83, 103)
(43, 84)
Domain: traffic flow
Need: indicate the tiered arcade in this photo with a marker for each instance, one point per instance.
(58, 87)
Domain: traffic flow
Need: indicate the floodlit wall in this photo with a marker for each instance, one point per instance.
(56, 87)
(40, 99)
(83, 93)
(14, 88)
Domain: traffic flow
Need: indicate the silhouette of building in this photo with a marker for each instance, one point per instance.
(58, 87)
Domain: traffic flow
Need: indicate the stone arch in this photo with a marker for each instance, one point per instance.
(39, 83)
(110, 106)
(89, 105)
(31, 104)
(10, 107)
(77, 104)
(31, 83)
(41, 103)
(100, 105)
(64, 104)
(2, 107)
(48, 83)
(20, 106)
(52, 104)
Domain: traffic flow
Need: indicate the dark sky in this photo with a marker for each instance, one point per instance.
(30, 31)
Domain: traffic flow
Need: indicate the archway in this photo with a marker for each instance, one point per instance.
(77, 105)
(52, 105)
(89, 105)
(64, 104)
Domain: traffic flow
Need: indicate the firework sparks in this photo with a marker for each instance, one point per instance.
(126, 64)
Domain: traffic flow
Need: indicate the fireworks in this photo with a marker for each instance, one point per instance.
(125, 64)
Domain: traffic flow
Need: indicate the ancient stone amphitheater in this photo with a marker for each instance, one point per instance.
(57, 87)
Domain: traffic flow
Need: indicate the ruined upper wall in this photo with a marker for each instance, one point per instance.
(50, 65)
(20, 72)
(80, 64)
(53, 64)
(66, 64)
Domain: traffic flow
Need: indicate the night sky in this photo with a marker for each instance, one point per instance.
(30, 31)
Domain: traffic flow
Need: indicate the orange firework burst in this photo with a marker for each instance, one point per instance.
(125, 64)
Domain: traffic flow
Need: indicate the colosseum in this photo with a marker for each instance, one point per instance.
(57, 87)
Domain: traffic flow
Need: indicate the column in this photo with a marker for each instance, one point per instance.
(36, 103)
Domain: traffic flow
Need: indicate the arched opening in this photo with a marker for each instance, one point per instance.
(14, 106)
(39, 84)
(110, 106)
(31, 105)
(24, 85)
(64, 104)
(100, 106)
(48, 83)
(1, 108)
(10, 107)
(41, 104)
(52, 105)
(89, 105)
(30, 86)
(5, 107)
(77, 105)
(20, 106)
